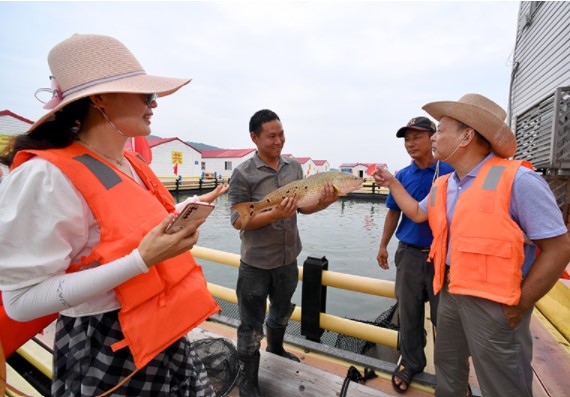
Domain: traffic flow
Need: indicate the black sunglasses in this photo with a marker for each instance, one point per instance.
(150, 98)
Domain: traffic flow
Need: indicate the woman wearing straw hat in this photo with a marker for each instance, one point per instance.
(487, 271)
(86, 222)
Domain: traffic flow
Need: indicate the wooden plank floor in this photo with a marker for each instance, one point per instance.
(320, 375)
(551, 360)
(315, 376)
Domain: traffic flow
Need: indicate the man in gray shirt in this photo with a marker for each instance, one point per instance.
(270, 244)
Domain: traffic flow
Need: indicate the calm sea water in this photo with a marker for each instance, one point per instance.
(347, 233)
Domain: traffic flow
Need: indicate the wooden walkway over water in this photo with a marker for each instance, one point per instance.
(317, 375)
(320, 375)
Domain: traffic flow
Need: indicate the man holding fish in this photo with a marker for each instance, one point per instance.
(266, 192)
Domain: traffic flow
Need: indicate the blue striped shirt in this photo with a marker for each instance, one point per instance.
(533, 207)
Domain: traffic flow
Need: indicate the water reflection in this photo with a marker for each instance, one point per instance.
(347, 233)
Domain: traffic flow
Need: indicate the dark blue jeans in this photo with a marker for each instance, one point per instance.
(254, 286)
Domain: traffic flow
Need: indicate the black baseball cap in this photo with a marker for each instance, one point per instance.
(417, 123)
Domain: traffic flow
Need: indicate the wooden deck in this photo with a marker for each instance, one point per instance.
(317, 375)
(370, 190)
(321, 375)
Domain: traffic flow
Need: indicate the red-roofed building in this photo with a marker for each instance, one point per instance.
(309, 167)
(11, 124)
(172, 157)
(224, 161)
(322, 165)
(359, 169)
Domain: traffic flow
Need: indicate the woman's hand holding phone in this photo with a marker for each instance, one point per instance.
(174, 235)
(191, 212)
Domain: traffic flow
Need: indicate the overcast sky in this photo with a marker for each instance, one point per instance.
(343, 76)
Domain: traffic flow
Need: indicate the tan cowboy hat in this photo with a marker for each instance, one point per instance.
(88, 64)
(481, 114)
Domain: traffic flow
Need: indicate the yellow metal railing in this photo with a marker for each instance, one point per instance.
(189, 182)
(329, 322)
(330, 279)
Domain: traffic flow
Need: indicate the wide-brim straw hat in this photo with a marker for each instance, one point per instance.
(481, 114)
(88, 64)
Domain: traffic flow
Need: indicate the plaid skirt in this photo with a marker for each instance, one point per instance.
(85, 365)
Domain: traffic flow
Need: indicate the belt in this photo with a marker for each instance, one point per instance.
(423, 249)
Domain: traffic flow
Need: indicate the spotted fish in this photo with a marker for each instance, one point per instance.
(307, 192)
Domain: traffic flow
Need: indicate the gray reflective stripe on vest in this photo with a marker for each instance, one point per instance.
(493, 177)
(102, 171)
(432, 196)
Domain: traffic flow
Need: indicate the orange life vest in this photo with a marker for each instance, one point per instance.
(486, 244)
(157, 307)
(14, 334)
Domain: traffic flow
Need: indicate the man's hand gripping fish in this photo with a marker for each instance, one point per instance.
(307, 192)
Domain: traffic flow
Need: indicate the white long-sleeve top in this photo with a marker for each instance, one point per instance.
(45, 226)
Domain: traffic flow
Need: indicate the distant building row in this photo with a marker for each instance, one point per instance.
(172, 157)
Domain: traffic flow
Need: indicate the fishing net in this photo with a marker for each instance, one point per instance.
(384, 320)
(221, 361)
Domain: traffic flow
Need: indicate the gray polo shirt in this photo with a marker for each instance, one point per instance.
(277, 244)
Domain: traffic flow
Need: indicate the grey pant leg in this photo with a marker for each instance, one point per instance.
(501, 355)
(414, 285)
(451, 349)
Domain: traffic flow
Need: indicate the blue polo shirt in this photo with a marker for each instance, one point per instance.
(417, 182)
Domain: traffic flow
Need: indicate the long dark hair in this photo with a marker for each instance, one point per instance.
(57, 133)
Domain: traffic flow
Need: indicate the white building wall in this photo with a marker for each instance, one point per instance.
(323, 168)
(541, 68)
(218, 164)
(360, 170)
(162, 161)
(309, 168)
(9, 127)
(541, 56)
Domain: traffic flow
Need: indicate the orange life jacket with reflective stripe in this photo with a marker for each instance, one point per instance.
(486, 244)
(157, 307)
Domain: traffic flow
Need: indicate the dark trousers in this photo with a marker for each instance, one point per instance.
(414, 286)
(254, 286)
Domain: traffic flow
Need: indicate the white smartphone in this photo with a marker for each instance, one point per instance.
(192, 211)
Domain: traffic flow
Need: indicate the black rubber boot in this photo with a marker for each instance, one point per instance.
(249, 385)
(275, 343)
